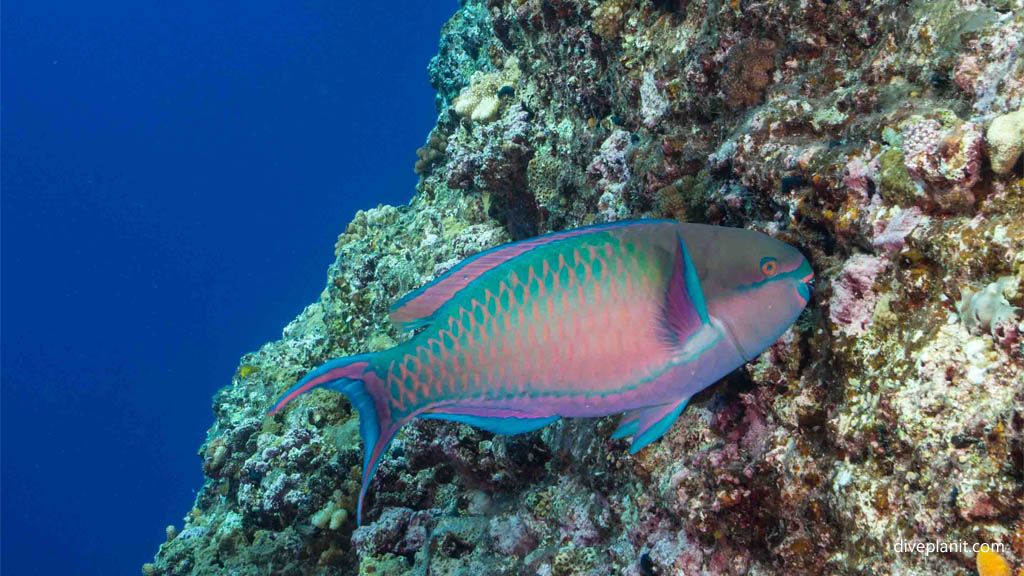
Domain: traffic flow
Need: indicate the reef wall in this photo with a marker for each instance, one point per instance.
(881, 137)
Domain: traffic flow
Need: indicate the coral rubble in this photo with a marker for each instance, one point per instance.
(881, 138)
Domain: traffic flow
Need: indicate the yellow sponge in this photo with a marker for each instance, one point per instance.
(990, 563)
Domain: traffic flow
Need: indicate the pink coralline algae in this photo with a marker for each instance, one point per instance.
(853, 296)
(945, 160)
(857, 177)
(891, 235)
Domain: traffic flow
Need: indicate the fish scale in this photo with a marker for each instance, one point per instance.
(583, 314)
(631, 317)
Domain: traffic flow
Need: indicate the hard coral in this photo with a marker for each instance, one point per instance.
(480, 101)
(608, 18)
(988, 310)
(1005, 138)
(431, 153)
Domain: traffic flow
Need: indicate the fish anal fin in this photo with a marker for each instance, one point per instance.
(507, 422)
(648, 424)
(417, 308)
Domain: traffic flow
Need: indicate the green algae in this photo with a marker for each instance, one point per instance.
(895, 184)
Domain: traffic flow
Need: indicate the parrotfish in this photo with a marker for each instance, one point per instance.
(628, 317)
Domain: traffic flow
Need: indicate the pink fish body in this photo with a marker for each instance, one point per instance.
(632, 317)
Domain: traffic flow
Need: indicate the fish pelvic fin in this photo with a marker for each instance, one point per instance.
(354, 377)
(646, 425)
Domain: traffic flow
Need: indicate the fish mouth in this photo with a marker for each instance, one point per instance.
(806, 283)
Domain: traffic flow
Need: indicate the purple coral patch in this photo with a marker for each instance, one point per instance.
(853, 298)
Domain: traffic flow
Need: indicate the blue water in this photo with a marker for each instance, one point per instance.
(173, 180)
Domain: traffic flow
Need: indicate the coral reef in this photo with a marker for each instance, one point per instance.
(881, 138)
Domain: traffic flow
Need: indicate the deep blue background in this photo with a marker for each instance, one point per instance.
(173, 181)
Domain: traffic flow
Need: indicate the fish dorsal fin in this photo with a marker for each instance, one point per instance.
(417, 308)
(685, 311)
(646, 425)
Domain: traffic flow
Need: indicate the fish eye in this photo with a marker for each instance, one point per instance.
(769, 266)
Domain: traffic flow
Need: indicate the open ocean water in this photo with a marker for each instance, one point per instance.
(173, 180)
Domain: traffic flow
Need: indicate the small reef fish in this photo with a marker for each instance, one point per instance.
(633, 317)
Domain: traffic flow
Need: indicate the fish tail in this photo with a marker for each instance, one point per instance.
(354, 377)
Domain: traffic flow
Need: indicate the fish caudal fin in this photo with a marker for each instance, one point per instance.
(353, 377)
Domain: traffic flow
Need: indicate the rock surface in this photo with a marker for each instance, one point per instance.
(854, 130)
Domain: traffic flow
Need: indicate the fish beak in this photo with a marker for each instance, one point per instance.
(806, 284)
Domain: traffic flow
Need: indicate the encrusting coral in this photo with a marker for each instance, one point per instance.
(871, 135)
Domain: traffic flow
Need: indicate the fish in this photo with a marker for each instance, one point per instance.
(631, 317)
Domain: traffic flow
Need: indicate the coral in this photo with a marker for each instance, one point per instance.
(890, 235)
(988, 310)
(398, 530)
(945, 160)
(512, 536)
(464, 48)
(1005, 137)
(430, 153)
(480, 101)
(333, 515)
(608, 18)
(856, 131)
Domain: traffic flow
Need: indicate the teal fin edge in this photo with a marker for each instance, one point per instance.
(693, 284)
(506, 426)
(631, 425)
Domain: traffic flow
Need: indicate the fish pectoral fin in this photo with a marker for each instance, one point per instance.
(684, 311)
(509, 423)
(646, 425)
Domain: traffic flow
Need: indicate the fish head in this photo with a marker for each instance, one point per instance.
(754, 285)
